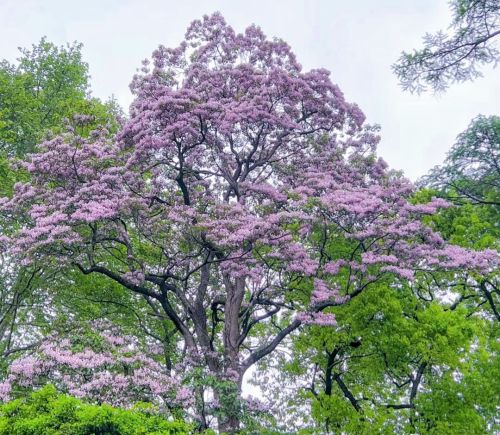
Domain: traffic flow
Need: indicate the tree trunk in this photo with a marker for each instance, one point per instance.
(229, 423)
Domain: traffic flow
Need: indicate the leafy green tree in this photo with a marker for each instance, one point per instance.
(416, 358)
(470, 177)
(396, 364)
(47, 84)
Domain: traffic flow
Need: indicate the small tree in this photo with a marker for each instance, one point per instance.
(217, 199)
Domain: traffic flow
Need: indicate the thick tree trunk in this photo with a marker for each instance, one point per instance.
(235, 292)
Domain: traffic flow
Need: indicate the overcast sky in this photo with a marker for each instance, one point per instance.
(357, 40)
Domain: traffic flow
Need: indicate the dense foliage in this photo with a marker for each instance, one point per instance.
(101, 364)
(47, 412)
(40, 95)
(46, 85)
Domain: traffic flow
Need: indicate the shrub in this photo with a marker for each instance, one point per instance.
(47, 412)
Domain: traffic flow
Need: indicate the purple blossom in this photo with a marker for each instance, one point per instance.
(319, 319)
(121, 375)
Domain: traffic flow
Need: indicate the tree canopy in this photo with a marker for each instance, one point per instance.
(46, 85)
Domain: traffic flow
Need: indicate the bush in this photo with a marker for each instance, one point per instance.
(47, 412)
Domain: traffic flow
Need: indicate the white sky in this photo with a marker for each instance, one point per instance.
(357, 40)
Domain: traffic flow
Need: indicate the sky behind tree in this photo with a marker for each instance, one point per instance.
(357, 41)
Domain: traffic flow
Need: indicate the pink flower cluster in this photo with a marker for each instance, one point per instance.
(322, 292)
(111, 368)
(320, 318)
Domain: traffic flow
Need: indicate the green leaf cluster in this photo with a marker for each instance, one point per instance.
(47, 412)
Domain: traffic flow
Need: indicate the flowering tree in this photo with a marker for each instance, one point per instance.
(102, 365)
(38, 93)
(218, 197)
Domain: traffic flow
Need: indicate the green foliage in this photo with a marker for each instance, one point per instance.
(454, 55)
(47, 85)
(474, 226)
(361, 377)
(469, 226)
(7, 178)
(47, 412)
(385, 336)
(471, 170)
